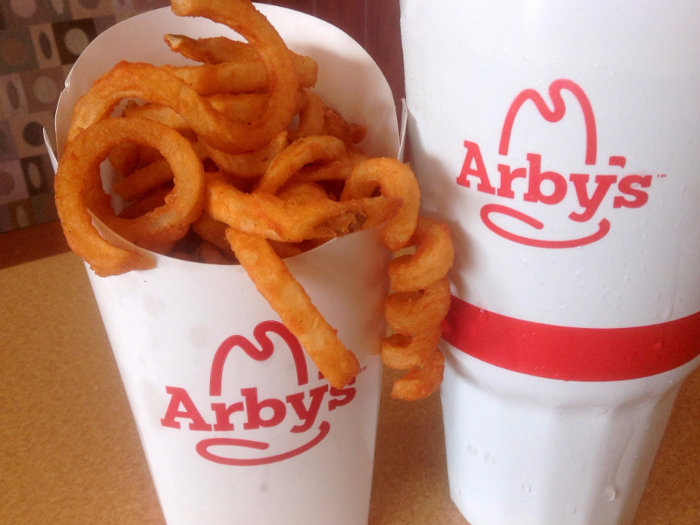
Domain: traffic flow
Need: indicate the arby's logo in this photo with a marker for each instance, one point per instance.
(232, 419)
(528, 181)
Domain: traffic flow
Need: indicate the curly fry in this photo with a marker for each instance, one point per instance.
(430, 262)
(288, 298)
(412, 312)
(421, 382)
(403, 352)
(395, 180)
(300, 153)
(78, 178)
(272, 218)
(157, 85)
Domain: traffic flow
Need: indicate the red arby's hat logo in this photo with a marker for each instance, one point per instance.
(554, 115)
(548, 187)
(249, 412)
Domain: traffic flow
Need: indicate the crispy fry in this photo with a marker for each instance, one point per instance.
(124, 158)
(236, 77)
(312, 119)
(336, 126)
(210, 254)
(78, 176)
(212, 231)
(431, 261)
(395, 180)
(272, 218)
(338, 170)
(301, 192)
(288, 298)
(242, 17)
(410, 313)
(146, 203)
(300, 153)
(404, 352)
(218, 50)
(249, 165)
(420, 382)
(150, 177)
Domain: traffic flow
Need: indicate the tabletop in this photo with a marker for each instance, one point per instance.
(71, 455)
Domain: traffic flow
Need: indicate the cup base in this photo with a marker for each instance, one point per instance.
(536, 451)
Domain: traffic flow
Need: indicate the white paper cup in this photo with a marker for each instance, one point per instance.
(559, 141)
(237, 424)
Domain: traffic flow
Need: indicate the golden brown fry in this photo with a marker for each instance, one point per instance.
(148, 155)
(211, 231)
(285, 249)
(150, 177)
(146, 203)
(218, 50)
(124, 158)
(336, 126)
(78, 178)
(249, 165)
(300, 153)
(301, 192)
(234, 77)
(212, 50)
(159, 113)
(410, 313)
(404, 352)
(288, 298)
(144, 180)
(339, 169)
(420, 382)
(430, 262)
(245, 107)
(312, 119)
(149, 83)
(210, 254)
(270, 217)
(395, 180)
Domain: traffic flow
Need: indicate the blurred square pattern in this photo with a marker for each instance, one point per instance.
(39, 41)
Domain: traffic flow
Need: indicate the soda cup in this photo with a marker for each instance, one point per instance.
(238, 425)
(559, 140)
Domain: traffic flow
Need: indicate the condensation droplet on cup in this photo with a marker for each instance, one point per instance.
(526, 487)
(472, 451)
(489, 459)
(609, 494)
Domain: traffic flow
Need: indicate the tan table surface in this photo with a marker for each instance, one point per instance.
(70, 454)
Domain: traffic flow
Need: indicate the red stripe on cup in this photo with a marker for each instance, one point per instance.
(571, 354)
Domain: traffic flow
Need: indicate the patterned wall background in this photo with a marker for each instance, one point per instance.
(39, 41)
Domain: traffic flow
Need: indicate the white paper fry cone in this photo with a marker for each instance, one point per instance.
(237, 424)
(559, 142)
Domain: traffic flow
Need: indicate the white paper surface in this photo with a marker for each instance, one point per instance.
(311, 446)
